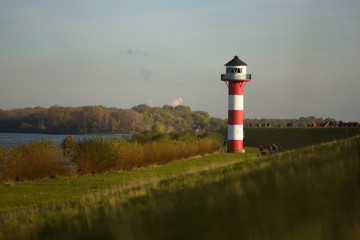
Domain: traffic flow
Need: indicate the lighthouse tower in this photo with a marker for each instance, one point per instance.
(235, 78)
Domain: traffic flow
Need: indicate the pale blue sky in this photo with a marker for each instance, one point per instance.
(304, 55)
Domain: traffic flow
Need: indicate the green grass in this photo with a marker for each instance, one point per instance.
(291, 138)
(311, 193)
(35, 194)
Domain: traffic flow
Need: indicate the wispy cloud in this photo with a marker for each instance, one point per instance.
(177, 101)
(146, 73)
(134, 52)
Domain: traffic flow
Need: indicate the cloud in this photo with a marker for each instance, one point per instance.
(177, 101)
(146, 73)
(134, 52)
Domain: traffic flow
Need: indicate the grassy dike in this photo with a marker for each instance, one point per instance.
(22, 197)
(310, 193)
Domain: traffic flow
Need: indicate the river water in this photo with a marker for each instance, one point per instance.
(11, 139)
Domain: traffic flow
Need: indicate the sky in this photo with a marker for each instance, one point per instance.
(304, 56)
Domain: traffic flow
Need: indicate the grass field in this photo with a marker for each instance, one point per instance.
(311, 193)
(20, 197)
(292, 138)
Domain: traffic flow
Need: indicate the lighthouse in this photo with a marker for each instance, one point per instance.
(235, 78)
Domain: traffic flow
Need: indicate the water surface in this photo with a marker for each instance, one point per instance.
(11, 139)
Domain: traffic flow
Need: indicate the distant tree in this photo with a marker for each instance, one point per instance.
(41, 126)
(183, 108)
(141, 108)
(217, 124)
(69, 147)
(201, 120)
(159, 127)
(130, 121)
(26, 127)
(57, 119)
(181, 124)
(168, 107)
(114, 124)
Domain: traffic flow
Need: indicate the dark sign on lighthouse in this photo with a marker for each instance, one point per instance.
(235, 78)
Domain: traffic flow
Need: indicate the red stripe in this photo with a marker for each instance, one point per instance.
(235, 117)
(235, 144)
(236, 88)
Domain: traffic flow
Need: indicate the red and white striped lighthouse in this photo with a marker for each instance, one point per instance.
(235, 78)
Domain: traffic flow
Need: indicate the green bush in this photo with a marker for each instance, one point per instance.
(32, 161)
(68, 146)
(94, 155)
(2, 160)
(98, 155)
(44, 159)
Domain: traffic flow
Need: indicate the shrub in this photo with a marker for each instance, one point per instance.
(93, 155)
(44, 159)
(164, 151)
(36, 160)
(97, 155)
(68, 146)
(2, 159)
(129, 154)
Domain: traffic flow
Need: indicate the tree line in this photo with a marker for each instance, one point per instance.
(96, 119)
(289, 122)
(99, 119)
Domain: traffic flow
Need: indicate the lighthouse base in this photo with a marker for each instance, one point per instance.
(236, 150)
(235, 146)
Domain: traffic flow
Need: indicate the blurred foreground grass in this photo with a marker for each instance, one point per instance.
(311, 193)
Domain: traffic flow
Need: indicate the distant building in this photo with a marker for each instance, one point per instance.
(348, 124)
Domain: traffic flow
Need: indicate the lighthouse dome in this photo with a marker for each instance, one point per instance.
(236, 61)
(235, 69)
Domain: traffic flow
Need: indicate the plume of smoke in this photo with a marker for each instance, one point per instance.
(177, 101)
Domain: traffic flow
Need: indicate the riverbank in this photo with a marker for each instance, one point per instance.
(45, 159)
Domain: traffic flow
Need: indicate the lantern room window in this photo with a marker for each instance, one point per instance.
(233, 70)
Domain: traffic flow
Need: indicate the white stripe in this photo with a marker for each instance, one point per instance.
(235, 132)
(236, 102)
